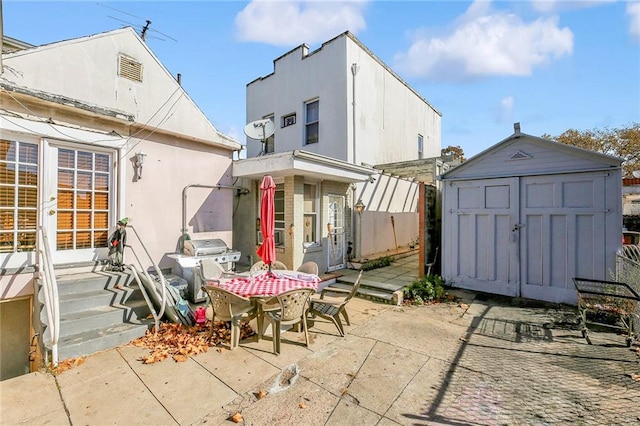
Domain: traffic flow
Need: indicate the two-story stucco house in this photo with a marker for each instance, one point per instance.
(76, 118)
(338, 112)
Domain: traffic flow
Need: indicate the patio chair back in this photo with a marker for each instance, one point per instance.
(332, 309)
(293, 305)
(293, 310)
(261, 266)
(309, 268)
(210, 269)
(228, 306)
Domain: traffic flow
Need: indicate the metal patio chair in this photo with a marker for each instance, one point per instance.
(332, 309)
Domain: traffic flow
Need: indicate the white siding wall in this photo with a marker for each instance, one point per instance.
(93, 79)
(389, 115)
(296, 80)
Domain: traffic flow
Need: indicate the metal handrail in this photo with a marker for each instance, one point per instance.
(50, 290)
(156, 316)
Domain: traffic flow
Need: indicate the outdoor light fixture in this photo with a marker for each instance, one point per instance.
(138, 162)
(359, 206)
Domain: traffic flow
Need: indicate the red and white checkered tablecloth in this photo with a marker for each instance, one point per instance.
(264, 284)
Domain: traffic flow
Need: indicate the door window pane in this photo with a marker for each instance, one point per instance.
(83, 199)
(18, 195)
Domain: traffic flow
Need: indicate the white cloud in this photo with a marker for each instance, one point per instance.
(486, 44)
(290, 23)
(505, 112)
(633, 10)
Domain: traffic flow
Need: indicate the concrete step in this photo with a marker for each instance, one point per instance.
(385, 292)
(94, 314)
(91, 319)
(88, 281)
(89, 342)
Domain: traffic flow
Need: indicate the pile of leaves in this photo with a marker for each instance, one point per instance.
(426, 289)
(180, 342)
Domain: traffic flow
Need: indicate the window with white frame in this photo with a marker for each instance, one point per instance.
(278, 235)
(270, 142)
(310, 234)
(312, 115)
(420, 146)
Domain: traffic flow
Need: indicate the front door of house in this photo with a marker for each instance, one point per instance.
(335, 233)
(77, 202)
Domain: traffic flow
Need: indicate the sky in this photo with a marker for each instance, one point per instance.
(550, 65)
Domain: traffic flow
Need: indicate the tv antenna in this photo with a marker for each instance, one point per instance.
(145, 29)
(260, 130)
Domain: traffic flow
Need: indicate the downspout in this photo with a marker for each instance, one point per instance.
(183, 230)
(354, 71)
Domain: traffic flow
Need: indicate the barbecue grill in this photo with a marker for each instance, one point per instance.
(188, 260)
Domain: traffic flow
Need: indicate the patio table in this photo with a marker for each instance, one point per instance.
(267, 284)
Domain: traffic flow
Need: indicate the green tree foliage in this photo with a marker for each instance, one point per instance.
(621, 142)
(455, 152)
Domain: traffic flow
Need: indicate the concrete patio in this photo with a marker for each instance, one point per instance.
(482, 360)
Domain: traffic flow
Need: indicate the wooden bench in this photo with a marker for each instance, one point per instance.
(617, 299)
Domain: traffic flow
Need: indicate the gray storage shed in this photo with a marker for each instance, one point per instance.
(525, 216)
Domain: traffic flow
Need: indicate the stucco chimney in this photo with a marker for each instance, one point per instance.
(516, 128)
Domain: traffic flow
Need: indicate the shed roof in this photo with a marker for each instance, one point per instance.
(521, 154)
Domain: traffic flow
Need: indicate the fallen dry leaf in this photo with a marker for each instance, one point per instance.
(301, 404)
(237, 418)
(635, 377)
(261, 394)
(67, 364)
(181, 341)
(464, 306)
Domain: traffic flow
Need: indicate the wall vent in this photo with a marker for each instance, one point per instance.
(129, 68)
(520, 156)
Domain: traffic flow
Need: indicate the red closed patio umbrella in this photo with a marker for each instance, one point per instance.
(267, 250)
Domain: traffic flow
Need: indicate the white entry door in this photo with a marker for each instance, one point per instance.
(77, 202)
(481, 242)
(562, 233)
(335, 234)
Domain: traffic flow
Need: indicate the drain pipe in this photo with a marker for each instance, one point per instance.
(239, 189)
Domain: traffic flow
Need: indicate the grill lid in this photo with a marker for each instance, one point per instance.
(204, 247)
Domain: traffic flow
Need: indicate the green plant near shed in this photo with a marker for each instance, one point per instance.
(376, 263)
(425, 289)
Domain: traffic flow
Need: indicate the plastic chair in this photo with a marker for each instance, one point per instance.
(261, 266)
(209, 270)
(228, 306)
(293, 310)
(309, 268)
(332, 309)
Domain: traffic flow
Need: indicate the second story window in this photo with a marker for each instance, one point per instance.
(312, 110)
(270, 142)
(420, 147)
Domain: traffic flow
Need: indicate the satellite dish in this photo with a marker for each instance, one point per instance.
(260, 129)
(636, 173)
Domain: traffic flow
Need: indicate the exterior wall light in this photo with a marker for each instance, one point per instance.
(138, 162)
(359, 207)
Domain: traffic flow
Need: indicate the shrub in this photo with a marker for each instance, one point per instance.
(425, 289)
(376, 263)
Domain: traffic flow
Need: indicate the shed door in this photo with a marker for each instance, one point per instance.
(481, 239)
(563, 234)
